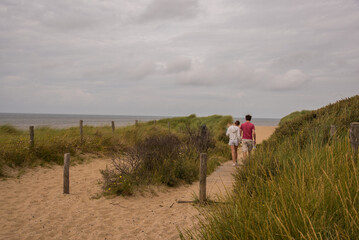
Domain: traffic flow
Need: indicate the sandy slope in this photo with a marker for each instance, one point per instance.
(33, 207)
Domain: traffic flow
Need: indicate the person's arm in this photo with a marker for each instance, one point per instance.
(254, 135)
(239, 134)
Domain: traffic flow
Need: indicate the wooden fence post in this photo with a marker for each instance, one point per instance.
(354, 137)
(67, 173)
(136, 123)
(202, 177)
(81, 131)
(169, 126)
(32, 136)
(333, 129)
(113, 126)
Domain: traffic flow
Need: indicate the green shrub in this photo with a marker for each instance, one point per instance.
(163, 156)
(159, 159)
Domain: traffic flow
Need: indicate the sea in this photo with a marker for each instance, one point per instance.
(24, 120)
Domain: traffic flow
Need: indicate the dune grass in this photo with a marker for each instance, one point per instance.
(300, 184)
(51, 144)
(293, 115)
(179, 165)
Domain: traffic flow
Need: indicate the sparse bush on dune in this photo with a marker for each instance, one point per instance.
(159, 159)
(301, 184)
(163, 158)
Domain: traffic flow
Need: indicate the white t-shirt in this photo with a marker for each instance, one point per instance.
(233, 133)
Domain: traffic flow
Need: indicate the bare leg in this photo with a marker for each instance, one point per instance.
(245, 156)
(234, 153)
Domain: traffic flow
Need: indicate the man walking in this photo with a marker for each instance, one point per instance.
(248, 134)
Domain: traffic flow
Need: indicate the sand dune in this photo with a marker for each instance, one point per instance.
(34, 207)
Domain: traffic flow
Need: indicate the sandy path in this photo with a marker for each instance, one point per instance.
(33, 207)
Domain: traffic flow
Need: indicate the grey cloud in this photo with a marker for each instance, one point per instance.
(302, 60)
(65, 16)
(281, 51)
(164, 9)
(241, 75)
(14, 97)
(233, 73)
(122, 71)
(293, 79)
(180, 64)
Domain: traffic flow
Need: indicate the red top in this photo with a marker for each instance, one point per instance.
(247, 129)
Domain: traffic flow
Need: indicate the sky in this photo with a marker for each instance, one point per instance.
(177, 57)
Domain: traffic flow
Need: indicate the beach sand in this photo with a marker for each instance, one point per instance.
(34, 207)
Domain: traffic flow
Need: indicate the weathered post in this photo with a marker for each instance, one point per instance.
(67, 173)
(202, 177)
(136, 123)
(113, 126)
(32, 136)
(169, 126)
(333, 130)
(354, 138)
(204, 138)
(81, 131)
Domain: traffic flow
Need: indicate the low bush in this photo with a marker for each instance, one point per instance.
(168, 159)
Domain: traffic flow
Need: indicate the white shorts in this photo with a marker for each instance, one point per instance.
(234, 142)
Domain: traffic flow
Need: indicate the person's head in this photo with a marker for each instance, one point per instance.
(248, 117)
(237, 123)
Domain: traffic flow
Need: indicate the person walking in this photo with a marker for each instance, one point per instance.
(248, 134)
(234, 139)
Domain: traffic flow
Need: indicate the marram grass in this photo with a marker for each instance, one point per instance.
(300, 184)
(51, 144)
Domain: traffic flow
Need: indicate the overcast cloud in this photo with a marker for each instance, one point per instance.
(167, 57)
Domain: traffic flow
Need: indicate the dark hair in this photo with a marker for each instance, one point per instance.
(248, 117)
(237, 123)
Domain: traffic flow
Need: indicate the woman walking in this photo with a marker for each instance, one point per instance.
(234, 139)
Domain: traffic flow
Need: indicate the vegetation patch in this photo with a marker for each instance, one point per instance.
(162, 152)
(169, 156)
(302, 183)
(292, 116)
(51, 145)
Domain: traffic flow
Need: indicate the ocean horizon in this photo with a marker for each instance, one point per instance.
(24, 120)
